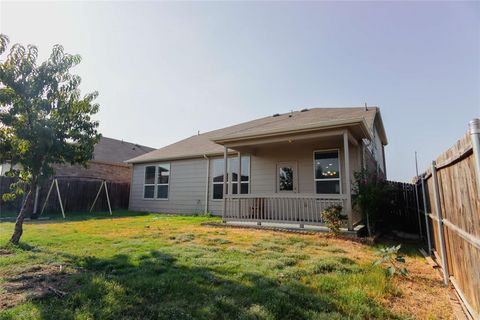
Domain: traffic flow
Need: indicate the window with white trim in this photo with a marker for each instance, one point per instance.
(327, 171)
(157, 178)
(232, 179)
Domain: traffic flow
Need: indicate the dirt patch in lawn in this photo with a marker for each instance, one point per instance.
(421, 294)
(33, 283)
(5, 252)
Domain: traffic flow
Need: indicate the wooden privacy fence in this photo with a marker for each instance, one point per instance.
(77, 195)
(402, 211)
(451, 203)
(8, 206)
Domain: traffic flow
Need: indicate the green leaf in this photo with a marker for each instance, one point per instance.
(404, 272)
(391, 271)
(377, 262)
(400, 259)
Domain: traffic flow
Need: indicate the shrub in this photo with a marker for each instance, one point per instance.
(332, 218)
(392, 258)
(371, 198)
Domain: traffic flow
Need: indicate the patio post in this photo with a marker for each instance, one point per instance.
(239, 176)
(239, 182)
(225, 175)
(348, 188)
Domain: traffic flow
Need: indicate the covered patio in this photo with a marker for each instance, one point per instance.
(295, 174)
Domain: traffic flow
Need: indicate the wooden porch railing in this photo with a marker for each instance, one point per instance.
(296, 208)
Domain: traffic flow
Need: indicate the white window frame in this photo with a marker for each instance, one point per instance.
(216, 182)
(230, 181)
(339, 179)
(155, 184)
(149, 184)
(162, 184)
(230, 176)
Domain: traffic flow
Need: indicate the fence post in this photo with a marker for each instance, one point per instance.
(438, 209)
(427, 227)
(475, 136)
(35, 204)
(417, 200)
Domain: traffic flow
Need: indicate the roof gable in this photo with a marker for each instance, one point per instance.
(117, 151)
(202, 144)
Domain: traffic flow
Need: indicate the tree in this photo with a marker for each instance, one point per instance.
(44, 119)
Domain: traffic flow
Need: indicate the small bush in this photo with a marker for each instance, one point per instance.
(392, 258)
(334, 264)
(332, 218)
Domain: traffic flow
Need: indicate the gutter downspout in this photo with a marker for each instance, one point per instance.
(207, 188)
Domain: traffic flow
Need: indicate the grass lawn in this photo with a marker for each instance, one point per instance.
(149, 266)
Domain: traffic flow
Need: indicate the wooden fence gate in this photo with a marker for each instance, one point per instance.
(451, 203)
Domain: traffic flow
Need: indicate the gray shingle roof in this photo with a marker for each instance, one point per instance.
(202, 144)
(117, 151)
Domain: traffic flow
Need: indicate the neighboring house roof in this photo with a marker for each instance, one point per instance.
(117, 151)
(203, 144)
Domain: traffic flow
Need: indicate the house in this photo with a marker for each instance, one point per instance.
(108, 162)
(285, 168)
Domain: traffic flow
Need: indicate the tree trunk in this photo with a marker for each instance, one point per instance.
(27, 205)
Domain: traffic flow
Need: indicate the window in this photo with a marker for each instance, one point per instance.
(285, 175)
(217, 180)
(149, 187)
(232, 179)
(163, 177)
(327, 171)
(157, 179)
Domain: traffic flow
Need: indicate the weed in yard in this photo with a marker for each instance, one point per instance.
(185, 237)
(334, 249)
(334, 264)
(218, 241)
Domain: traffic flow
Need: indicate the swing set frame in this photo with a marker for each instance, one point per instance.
(55, 183)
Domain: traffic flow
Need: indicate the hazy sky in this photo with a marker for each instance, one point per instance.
(165, 70)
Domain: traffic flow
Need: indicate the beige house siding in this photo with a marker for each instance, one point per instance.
(264, 165)
(188, 178)
(186, 188)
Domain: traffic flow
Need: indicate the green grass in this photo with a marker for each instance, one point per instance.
(146, 266)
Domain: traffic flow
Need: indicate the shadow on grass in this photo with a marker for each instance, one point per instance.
(156, 286)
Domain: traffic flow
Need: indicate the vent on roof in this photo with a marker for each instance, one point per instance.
(276, 115)
(304, 110)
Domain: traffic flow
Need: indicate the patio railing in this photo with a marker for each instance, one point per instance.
(295, 208)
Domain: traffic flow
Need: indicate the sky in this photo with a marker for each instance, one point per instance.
(166, 70)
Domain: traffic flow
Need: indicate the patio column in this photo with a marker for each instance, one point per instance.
(239, 175)
(225, 175)
(348, 187)
(239, 183)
